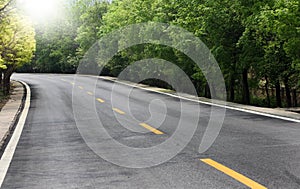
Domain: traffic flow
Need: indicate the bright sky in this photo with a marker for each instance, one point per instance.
(40, 10)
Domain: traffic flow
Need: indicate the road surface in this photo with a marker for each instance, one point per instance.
(51, 152)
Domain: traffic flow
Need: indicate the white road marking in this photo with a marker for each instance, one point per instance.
(11, 147)
(209, 103)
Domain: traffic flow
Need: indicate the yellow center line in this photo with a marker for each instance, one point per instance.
(100, 100)
(72, 83)
(118, 111)
(80, 87)
(90, 93)
(146, 126)
(237, 176)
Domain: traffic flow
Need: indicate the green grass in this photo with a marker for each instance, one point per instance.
(3, 99)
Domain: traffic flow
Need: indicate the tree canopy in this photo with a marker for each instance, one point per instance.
(17, 42)
(256, 43)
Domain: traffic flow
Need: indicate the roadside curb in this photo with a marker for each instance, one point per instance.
(10, 113)
(268, 112)
(18, 125)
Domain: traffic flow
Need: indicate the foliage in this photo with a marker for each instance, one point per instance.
(17, 45)
(256, 43)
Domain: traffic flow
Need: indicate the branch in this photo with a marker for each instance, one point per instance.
(6, 5)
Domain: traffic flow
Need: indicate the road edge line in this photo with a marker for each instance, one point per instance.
(13, 142)
(206, 103)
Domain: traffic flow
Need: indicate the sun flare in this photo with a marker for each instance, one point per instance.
(40, 9)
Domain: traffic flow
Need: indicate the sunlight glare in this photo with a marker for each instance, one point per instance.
(40, 9)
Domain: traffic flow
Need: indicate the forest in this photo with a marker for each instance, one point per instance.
(255, 42)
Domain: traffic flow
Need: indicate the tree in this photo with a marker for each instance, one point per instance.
(17, 45)
(56, 45)
(91, 20)
(256, 42)
(274, 28)
(4, 5)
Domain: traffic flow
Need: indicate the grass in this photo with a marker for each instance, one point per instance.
(4, 98)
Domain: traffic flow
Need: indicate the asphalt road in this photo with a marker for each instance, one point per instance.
(52, 153)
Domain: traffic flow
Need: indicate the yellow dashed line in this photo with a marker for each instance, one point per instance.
(100, 100)
(118, 111)
(90, 93)
(80, 87)
(72, 83)
(237, 176)
(146, 126)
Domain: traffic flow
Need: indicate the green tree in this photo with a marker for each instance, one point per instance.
(56, 45)
(91, 20)
(274, 28)
(17, 45)
(255, 42)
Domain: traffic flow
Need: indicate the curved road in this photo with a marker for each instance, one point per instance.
(251, 150)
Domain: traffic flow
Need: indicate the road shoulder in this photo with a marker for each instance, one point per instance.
(10, 113)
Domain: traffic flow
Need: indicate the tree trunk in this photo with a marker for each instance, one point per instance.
(231, 88)
(267, 92)
(1, 80)
(295, 97)
(207, 91)
(288, 92)
(246, 92)
(6, 84)
(282, 93)
(6, 80)
(199, 88)
(278, 95)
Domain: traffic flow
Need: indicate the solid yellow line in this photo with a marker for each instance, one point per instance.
(90, 93)
(118, 111)
(80, 87)
(237, 176)
(146, 126)
(100, 100)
